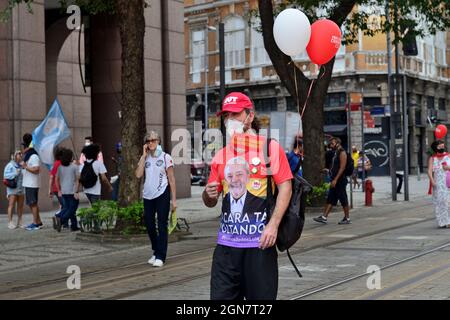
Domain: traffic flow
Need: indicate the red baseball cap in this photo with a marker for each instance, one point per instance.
(235, 102)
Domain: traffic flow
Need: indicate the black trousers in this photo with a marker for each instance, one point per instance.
(400, 182)
(157, 211)
(244, 273)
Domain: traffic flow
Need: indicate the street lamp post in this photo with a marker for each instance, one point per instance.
(392, 155)
(362, 82)
(207, 29)
(222, 74)
(349, 133)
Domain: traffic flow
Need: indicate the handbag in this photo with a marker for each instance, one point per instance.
(10, 183)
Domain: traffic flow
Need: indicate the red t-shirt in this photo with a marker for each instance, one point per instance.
(241, 172)
(53, 173)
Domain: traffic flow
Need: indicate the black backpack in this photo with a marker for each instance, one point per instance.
(291, 225)
(88, 178)
(349, 166)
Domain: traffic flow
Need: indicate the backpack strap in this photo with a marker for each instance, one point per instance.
(269, 173)
(293, 263)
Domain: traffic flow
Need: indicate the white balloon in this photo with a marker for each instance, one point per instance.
(292, 31)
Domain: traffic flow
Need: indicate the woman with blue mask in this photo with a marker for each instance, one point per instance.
(157, 168)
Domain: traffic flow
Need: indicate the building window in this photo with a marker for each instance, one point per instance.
(430, 102)
(419, 101)
(442, 104)
(234, 42)
(197, 54)
(265, 105)
(291, 105)
(418, 117)
(335, 117)
(372, 101)
(334, 100)
(259, 55)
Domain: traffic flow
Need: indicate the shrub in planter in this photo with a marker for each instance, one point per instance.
(133, 216)
(100, 217)
(317, 197)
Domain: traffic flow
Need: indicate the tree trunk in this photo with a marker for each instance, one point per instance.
(132, 29)
(298, 86)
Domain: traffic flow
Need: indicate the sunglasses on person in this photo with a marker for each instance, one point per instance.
(151, 140)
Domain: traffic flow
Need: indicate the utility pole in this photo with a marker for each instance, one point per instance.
(362, 82)
(349, 134)
(222, 74)
(207, 29)
(405, 140)
(400, 89)
(206, 77)
(392, 155)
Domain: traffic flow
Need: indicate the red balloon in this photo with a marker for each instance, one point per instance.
(324, 42)
(440, 131)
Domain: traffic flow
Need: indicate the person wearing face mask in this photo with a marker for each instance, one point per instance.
(338, 184)
(87, 142)
(159, 185)
(438, 165)
(245, 262)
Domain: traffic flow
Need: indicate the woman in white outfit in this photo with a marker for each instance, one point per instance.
(438, 166)
(13, 170)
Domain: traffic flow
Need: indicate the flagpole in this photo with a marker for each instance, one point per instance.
(74, 150)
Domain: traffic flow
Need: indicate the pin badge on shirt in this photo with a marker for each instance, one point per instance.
(254, 170)
(256, 185)
(256, 161)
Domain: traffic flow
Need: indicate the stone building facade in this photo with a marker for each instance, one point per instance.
(359, 75)
(39, 62)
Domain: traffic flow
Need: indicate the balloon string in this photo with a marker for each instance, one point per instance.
(298, 99)
(323, 72)
(307, 97)
(310, 87)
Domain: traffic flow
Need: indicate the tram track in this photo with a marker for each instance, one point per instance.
(133, 271)
(323, 288)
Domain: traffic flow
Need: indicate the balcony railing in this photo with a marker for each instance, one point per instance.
(356, 61)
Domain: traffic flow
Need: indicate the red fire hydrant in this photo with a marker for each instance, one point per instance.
(369, 189)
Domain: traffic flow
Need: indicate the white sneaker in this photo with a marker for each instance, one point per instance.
(152, 260)
(11, 226)
(158, 263)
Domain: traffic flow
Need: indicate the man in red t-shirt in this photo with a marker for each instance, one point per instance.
(245, 260)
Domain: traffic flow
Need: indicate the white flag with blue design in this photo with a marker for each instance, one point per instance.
(52, 131)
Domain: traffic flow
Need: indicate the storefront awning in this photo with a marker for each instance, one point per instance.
(335, 129)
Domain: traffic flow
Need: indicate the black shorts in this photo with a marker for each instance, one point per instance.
(31, 196)
(338, 193)
(249, 273)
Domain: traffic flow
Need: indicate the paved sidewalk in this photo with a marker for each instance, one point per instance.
(193, 209)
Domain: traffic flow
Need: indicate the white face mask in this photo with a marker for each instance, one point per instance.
(87, 143)
(234, 126)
